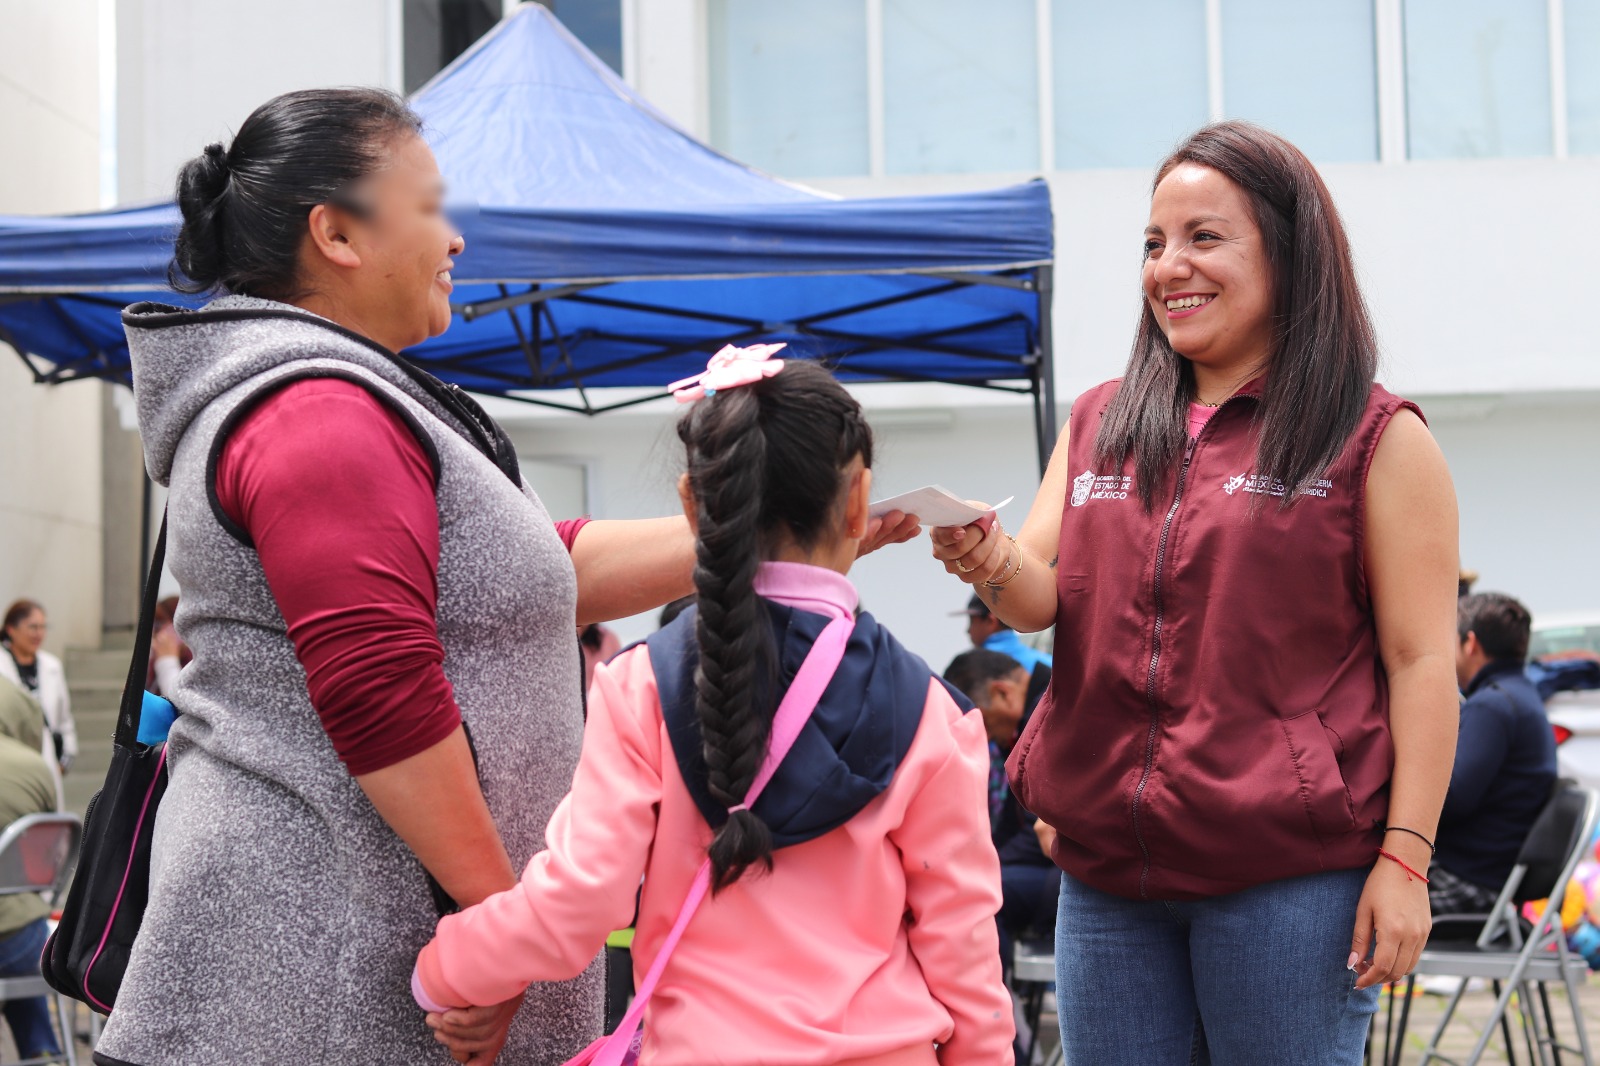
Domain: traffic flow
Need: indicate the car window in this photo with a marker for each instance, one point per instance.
(1563, 639)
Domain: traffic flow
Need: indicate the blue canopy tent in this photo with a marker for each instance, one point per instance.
(606, 247)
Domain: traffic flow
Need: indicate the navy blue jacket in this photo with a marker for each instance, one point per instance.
(1505, 770)
(850, 747)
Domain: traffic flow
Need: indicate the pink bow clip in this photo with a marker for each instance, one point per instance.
(728, 369)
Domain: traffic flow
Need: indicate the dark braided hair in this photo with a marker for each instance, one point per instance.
(766, 466)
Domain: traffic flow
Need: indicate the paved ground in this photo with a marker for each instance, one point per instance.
(1467, 1027)
(1425, 1013)
(1460, 1038)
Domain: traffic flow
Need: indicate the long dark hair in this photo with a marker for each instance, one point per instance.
(1324, 353)
(244, 206)
(766, 464)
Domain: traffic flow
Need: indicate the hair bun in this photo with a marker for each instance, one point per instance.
(216, 171)
(197, 253)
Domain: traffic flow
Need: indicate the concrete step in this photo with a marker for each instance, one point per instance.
(94, 664)
(80, 787)
(95, 701)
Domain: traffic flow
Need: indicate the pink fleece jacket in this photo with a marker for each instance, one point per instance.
(874, 943)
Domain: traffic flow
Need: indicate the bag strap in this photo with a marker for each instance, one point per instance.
(793, 712)
(127, 733)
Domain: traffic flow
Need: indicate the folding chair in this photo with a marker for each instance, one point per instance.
(36, 855)
(1507, 951)
(1033, 967)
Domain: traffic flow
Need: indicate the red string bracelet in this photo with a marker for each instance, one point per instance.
(1411, 875)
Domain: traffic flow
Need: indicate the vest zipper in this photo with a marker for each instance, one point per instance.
(1155, 650)
(1155, 661)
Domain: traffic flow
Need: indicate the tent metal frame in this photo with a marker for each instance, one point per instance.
(538, 331)
(547, 352)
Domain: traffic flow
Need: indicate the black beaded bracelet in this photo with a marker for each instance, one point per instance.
(1402, 829)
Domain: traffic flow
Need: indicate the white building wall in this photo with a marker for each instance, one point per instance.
(190, 71)
(50, 514)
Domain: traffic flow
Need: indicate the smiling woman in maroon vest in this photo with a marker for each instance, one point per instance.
(1248, 549)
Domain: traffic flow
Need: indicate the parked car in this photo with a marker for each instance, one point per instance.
(1574, 714)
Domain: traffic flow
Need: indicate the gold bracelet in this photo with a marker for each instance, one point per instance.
(1003, 582)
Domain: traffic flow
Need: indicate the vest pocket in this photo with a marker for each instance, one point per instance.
(1320, 782)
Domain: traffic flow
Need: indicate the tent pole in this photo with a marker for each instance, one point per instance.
(1045, 370)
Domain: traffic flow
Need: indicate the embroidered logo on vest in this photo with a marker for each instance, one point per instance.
(1261, 484)
(1086, 486)
(1082, 485)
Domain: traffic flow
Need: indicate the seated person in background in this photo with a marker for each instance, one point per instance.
(1505, 758)
(26, 787)
(987, 631)
(1030, 884)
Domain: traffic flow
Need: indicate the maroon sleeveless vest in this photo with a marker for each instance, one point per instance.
(1218, 715)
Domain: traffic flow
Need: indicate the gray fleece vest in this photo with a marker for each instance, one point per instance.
(285, 915)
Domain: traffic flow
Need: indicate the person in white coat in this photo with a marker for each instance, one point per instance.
(42, 676)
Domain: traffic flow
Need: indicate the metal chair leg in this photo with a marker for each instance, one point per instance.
(1388, 1033)
(1528, 1010)
(1501, 1006)
(1550, 1024)
(1399, 1044)
(1577, 1018)
(1431, 1052)
(66, 1018)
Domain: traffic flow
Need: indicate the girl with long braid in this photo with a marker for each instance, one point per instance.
(851, 909)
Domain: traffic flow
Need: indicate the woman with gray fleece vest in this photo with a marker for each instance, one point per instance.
(367, 581)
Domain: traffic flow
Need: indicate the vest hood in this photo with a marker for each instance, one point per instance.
(848, 751)
(184, 358)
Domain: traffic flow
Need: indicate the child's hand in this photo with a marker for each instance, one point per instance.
(475, 1035)
(896, 527)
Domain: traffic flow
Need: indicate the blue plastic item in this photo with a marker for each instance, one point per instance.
(156, 716)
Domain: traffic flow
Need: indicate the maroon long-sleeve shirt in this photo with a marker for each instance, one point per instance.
(338, 496)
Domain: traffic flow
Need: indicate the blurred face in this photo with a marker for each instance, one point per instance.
(1470, 658)
(392, 258)
(1002, 711)
(980, 628)
(1206, 276)
(27, 635)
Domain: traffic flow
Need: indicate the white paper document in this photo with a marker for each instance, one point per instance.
(936, 506)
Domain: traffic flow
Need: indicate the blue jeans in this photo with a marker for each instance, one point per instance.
(29, 1018)
(1256, 978)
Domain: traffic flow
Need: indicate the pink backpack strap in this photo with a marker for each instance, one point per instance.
(821, 662)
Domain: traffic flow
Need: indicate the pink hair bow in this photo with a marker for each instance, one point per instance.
(728, 369)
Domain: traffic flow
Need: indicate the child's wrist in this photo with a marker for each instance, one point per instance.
(420, 994)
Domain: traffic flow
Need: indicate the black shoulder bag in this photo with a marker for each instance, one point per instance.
(87, 954)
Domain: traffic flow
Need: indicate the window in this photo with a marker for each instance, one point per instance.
(789, 85)
(1130, 80)
(1477, 78)
(597, 23)
(1307, 71)
(437, 31)
(960, 86)
(1582, 33)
